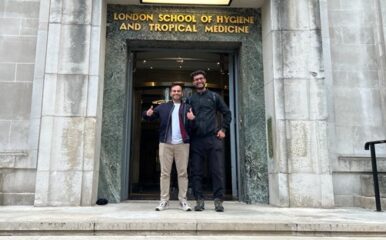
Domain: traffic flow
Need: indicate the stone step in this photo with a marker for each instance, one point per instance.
(368, 202)
(205, 237)
(239, 219)
(367, 185)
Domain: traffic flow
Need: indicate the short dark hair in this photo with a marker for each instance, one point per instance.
(197, 72)
(181, 84)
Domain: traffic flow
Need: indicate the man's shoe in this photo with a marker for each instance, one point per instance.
(200, 206)
(218, 205)
(185, 206)
(162, 206)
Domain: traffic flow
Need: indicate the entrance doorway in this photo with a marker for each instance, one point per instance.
(152, 73)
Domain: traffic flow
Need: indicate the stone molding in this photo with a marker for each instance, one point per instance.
(357, 164)
(15, 160)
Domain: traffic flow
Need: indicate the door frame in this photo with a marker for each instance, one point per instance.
(233, 99)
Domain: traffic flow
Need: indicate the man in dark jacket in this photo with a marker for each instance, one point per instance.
(207, 140)
(174, 144)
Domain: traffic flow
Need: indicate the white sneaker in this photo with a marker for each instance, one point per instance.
(185, 206)
(162, 206)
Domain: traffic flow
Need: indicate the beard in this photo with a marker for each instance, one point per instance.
(176, 97)
(200, 86)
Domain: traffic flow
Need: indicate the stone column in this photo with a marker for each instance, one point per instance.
(69, 126)
(296, 112)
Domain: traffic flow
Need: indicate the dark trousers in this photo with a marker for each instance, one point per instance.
(212, 149)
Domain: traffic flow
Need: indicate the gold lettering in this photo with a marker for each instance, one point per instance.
(165, 27)
(227, 29)
(249, 20)
(191, 19)
(208, 28)
(226, 19)
(235, 19)
(183, 22)
(133, 17)
(156, 27)
(174, 18)
(206, 19)
(123, 27)
(130, 26)
(134, 26)
(220, 19)
(160, 17)
(121, 16)
(188, 28)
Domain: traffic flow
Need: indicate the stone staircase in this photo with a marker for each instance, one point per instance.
(366, 199)
(353, 182)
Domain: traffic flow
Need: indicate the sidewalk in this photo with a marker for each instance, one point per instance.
(138, 218)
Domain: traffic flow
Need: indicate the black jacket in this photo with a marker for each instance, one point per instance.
(164, 113)
(205, 106)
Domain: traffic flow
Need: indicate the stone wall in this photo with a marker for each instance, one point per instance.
(358, 85)
(18, 34)
(359, 113)
(382, 6)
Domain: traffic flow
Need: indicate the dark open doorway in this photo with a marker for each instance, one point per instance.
(152, 73)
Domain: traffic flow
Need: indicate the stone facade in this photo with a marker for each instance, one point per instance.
(324, 94)
(18, 37)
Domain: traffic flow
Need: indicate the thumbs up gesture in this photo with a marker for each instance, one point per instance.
(150, 111)
(190, 115)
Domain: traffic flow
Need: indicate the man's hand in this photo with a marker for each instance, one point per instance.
(150, 111)
(190, 115)
(220, 134)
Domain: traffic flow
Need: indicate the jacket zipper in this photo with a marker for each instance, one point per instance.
(167, 126)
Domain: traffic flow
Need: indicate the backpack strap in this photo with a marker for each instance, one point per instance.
(188, 100)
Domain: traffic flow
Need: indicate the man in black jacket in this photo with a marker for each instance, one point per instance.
(174, 144)
(207, 140)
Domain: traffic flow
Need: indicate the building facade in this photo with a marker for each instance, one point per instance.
(305, 80)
